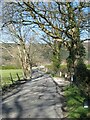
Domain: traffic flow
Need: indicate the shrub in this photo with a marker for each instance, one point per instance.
(49, 68)
(63, 68)
(82, 77)
(81, 71)
(56, 65)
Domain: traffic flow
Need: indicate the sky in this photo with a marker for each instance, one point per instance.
(4, 36)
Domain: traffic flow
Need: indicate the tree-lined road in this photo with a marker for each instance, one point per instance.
(34, 99)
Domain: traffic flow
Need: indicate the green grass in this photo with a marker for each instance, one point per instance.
(5, 75)
(6, 67)
(75, 103)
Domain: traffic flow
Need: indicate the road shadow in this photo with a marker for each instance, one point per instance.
(12, 91)
(39, 105)
(59, 90)
(8, 110)
(17, 87)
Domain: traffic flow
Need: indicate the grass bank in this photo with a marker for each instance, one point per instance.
(75, 103)
(6, 78)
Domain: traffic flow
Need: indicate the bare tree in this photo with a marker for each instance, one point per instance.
(59, 20)
(23, 40)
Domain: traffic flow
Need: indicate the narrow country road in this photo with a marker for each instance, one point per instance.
(37, 98)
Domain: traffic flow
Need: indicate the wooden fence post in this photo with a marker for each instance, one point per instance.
(11, 78)
(18, 76)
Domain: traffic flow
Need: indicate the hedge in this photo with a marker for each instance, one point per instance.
(9, 67)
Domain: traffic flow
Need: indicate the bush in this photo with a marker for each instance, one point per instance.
(49, 68)
(63, 68)
(82, 77)
(81, 71)
(74, 103)
(56, 65)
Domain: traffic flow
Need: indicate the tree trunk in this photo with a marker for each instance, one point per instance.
(25, 63)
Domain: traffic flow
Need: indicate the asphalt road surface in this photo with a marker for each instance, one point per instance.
(37, 98)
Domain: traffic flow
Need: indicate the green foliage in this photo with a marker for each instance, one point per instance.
(88, 66)
(9, 67)
(56, 64)
(81, 71)
(81, 50)
(76, 53)
(83, 77)
(69, 64)
(49, 68)
(63, 69)
(75, 103)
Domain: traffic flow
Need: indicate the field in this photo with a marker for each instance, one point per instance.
(6, 78)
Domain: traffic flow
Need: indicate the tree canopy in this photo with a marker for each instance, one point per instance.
(62, 21)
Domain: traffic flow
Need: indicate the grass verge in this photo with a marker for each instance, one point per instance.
(5, 75)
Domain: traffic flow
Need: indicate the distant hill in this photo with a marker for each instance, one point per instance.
(9, 54)
(42, 53)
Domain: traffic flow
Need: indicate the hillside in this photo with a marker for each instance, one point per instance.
(42, 53)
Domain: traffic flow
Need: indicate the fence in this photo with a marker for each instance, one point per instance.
(10, 79)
